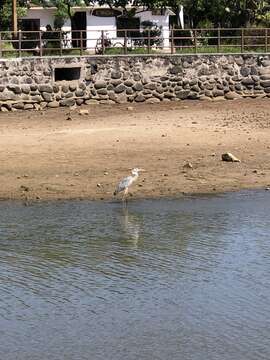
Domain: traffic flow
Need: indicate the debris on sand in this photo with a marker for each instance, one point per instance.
(229, 157)
(188, 165)
(84, 112)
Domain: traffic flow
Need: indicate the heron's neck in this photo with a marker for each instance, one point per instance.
(135, 176)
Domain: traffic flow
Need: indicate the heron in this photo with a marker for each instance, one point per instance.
(125, 183)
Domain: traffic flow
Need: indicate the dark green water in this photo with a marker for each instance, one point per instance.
(168, 279)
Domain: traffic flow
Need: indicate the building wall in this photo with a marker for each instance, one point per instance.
(160, 20)
(95, 24)
(29, 83)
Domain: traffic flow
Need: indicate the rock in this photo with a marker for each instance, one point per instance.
(79, 101)
(36, 98)
(4, 109)
(112, 95)
(102, 91)
(231, 95)
(152, 101)
(247, 81)
(139, 98)
(37, 107)
(47, 96)
(115, 82)
(72, 87)
(18, 106)
(92, 102)
(106, 102)
(53, 104)
(205, 98)
(193, 95)
(136, 76)
(7, 95)
(43, 105)
(217, 93)
(67, 102)
(176, 70)
(84, 112)
(100, 84)
(25, 89)
(137, 87)
(56, 88)
(265, 83)
(121, 98)
(255, 78)
(69, 95)
(229, 157)
(116, 74)
(45, 88)
(129, 91)
(28, 106)
(129, 83)
(169, 95)
(80, 92)
(183, 94)
(238, 87)
(65, 88)
(119, 88)
(244, 71)
(15, 88)
(219, 98)
(25, 97)
(150, 86)
(82, 86)
(130, 108)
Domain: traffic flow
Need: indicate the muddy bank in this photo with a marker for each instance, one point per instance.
(59, 154)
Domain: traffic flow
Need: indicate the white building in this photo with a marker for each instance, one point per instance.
(88, 22)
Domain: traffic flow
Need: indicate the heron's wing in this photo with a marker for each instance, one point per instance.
(124, 183)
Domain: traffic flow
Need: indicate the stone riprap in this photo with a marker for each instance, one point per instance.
(30, 83)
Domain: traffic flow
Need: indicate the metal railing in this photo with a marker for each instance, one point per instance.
(137, 41)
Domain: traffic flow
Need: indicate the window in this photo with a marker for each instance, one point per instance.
(126, 23)
(67, 73)
(106, 12)
(30, 33)
(30, 24)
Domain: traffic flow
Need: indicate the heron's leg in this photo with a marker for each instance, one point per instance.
(125, 195)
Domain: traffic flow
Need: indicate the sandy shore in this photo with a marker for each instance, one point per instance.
(44, 155)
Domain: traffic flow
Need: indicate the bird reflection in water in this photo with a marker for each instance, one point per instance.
(131, 226)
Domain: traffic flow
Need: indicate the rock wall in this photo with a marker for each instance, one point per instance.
(30, 83)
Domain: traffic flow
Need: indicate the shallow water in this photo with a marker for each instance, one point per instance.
(165, 279)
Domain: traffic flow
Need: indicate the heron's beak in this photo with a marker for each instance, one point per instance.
(142, 170)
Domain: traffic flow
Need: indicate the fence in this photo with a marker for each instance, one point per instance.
(137, 41)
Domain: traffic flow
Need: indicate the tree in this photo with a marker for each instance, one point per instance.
(6, 13)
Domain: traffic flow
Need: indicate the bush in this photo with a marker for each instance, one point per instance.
(153, 31)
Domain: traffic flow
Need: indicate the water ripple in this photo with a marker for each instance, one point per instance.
(161, 279)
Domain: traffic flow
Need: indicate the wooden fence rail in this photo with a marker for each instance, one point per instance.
(137, 41)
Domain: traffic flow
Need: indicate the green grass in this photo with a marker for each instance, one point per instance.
(223, 49)
(120, 50)
(10, 52)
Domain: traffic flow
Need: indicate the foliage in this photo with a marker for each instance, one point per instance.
(6, 13)
(153, 31)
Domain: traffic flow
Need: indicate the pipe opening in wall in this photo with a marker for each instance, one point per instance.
(67, 73)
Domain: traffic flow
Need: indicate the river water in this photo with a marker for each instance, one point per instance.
(164, 279)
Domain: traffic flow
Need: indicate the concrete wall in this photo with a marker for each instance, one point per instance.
(30, 82)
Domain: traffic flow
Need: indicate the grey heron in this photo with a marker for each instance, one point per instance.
(125, 183)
